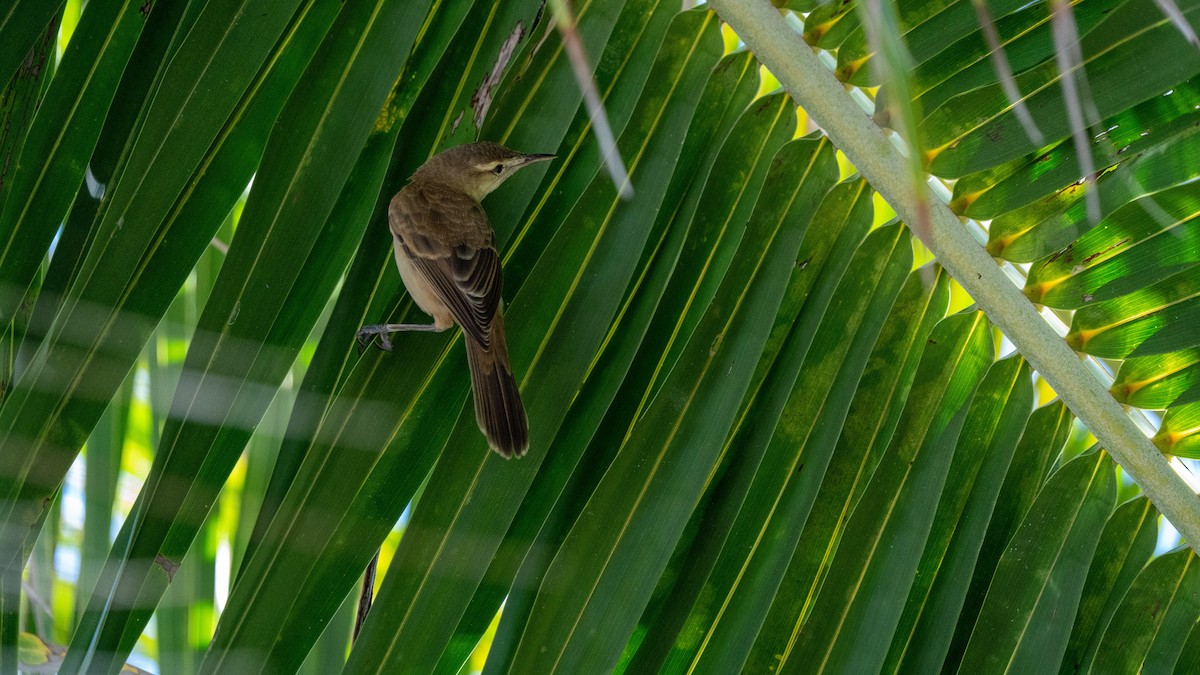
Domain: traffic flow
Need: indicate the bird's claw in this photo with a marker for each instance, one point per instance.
(368, 335)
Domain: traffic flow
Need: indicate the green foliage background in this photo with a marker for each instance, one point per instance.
(767, 432)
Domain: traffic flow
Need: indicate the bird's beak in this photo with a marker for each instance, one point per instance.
(533, 159)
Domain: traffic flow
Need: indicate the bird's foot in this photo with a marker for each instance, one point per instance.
(378, 334)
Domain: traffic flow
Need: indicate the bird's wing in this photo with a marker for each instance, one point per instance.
(449, 240)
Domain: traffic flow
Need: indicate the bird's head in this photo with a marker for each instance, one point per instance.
(476, 168)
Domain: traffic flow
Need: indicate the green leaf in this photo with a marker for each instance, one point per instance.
(361, 285)
(998, 414)
(332, 200)
(923, 27)
(830, 23)
(1157, 319)
(1052, 223)
(262, 456)
(873, 416)
(1149, 629)
(10, 606)
(871, 572)
(261, 277)
(21, 24)
(806, 162)
(805, 434)
(978, 129)
(1157, 382)
(153, 541)
(18, 104)
(720, 221)
(44, 424)
(328, 655)
(697, 404)
(1024, 35)
(37, 655)
(1020, 627)
(709, 525)
(117, 136)
(1143, 132)
(102, 455)
(1179, 433)
(711, 232)
(803, 5)
(1042, 441)
(61, 140)
(301, 186)
(1189, 657)
(780, 423)
(1126, 545)
(1145, 242)
(187, 607)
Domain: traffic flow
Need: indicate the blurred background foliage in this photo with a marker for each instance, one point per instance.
(768, 431)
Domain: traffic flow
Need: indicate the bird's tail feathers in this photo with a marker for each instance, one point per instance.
(498, 407)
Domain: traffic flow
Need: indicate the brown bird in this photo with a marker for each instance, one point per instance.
(446, 253)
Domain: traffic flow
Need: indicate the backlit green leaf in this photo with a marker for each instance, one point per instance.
(1149, 629)
(1019, 627)
(1125, 547)
(978, 129)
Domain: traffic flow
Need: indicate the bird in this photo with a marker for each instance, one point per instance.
(445, 250)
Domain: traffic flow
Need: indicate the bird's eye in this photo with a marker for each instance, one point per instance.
(498, 170)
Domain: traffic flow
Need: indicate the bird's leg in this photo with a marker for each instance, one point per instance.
(366, 334)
